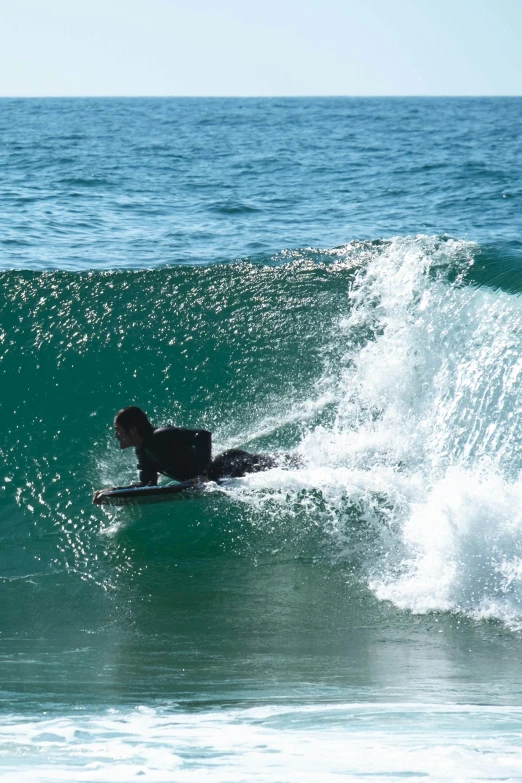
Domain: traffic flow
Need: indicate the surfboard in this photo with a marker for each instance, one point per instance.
(128, 496)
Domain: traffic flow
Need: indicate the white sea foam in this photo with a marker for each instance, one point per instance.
(427, 433)
(308, 743)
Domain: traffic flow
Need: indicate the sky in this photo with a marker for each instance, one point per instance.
(268, 48)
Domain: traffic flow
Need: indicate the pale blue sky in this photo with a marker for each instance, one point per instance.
(274, 47)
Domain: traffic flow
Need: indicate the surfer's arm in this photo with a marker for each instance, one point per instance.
(147, 475)
(98, 494)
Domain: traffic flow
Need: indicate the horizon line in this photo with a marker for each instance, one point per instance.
(258, 97)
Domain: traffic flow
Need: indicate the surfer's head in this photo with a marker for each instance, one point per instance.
(131, 427)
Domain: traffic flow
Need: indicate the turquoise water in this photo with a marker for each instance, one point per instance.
(339, 279)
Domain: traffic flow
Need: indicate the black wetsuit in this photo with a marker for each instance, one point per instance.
(184, 454)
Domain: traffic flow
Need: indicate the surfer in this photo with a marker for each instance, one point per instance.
(178, 453)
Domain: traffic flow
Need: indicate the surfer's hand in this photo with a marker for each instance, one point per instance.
(201, 479)
(96, 498)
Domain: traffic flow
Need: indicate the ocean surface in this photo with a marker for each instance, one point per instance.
(339, 279)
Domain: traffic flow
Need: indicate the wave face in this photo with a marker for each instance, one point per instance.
(387, 366)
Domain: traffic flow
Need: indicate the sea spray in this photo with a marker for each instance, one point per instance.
(422, 448)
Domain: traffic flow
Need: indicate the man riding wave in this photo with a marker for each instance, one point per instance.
(180, 454)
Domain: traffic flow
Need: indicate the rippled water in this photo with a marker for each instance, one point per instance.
(104, 183)
(339, 279)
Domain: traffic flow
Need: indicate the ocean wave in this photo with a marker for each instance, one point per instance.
(425, 433)
(383, 365)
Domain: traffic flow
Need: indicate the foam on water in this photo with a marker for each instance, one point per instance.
(424, 370)
(315, 743)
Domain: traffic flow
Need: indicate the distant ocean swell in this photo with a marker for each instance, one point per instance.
(392, 368)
